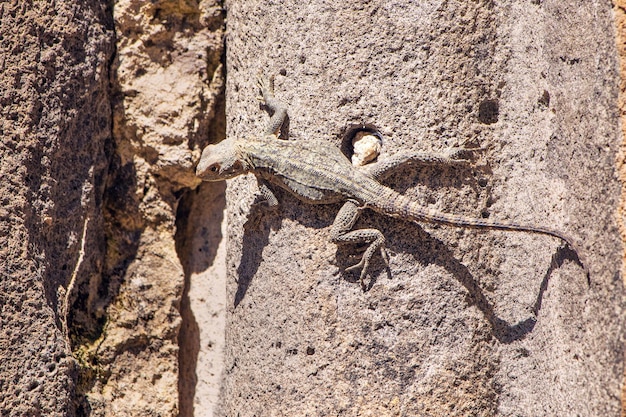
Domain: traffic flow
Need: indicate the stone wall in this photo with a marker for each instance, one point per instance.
(464, 322)
(114, 256)
(167, 84)
(55, 131)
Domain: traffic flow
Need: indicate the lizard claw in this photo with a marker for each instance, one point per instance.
(385, 256)
(464, 154)
(260, 80)
(266, 87)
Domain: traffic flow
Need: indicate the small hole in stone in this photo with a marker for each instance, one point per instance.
(310, 351)
(351, 131)
(488, 111)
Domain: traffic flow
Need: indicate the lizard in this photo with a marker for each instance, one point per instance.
(319, 173)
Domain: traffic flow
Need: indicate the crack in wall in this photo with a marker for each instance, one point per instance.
(167, 79)
(201, 232)
(200, 244)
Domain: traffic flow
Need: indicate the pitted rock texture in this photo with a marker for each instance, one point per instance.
(620, 23)
(55, 125)
(97, 152)
(465, 322)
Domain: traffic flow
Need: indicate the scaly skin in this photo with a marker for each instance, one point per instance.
(320, 174)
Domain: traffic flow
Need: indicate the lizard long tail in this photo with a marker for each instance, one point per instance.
(400, 206)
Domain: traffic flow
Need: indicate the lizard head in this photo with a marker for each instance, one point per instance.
(220, 162)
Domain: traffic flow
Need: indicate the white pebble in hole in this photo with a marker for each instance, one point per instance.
(366, 147)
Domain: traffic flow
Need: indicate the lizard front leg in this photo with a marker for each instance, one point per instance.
(341, 233)
(265, 201)
(275, 106)
(266, 195)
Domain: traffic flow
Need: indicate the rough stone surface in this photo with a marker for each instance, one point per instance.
(620, 23)
(468, 322)
(55, 123)
(167, 79)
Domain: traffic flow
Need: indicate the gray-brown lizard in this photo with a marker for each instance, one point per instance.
(320, 174)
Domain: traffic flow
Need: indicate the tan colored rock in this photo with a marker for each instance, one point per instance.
(167, 79)
(366, 148)
(620, 23)
(168, 74)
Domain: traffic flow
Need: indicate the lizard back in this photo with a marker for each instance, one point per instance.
(312, 171)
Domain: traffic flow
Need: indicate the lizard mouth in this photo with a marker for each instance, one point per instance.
(202, 170)
(208, 171)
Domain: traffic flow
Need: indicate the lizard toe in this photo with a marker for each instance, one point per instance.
(356, 266)
(362, 277)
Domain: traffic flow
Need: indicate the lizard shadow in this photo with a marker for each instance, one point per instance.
(256, 236)
(413, 238)
(434, 251)
(262, 219)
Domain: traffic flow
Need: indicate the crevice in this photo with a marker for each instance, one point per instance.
(189, 335)
(199, 237)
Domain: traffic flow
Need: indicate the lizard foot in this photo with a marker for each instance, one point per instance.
(266, 85)
(277, 109)
(364, 264)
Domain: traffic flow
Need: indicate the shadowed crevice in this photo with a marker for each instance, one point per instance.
(198, 235)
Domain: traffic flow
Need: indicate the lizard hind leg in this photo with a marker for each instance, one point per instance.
(341, 233)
